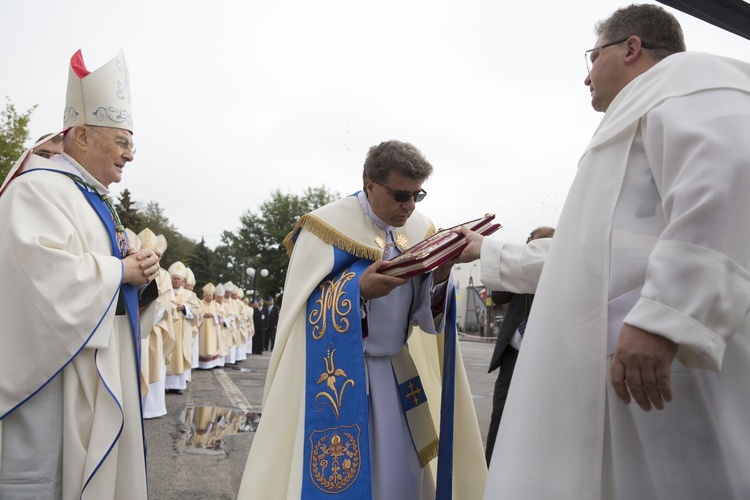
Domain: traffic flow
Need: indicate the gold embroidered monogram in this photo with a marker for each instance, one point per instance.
(329, 376)
(331, 299)
(379, 241)
(335, 461)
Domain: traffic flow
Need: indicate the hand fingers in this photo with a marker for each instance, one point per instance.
(652, 394)
(653, 385)
(638, 391)
(150, 261)
(648, 389)
(617, 378)
(664, 381)
(628, 383)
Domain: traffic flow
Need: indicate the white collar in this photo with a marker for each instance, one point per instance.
(70, 165)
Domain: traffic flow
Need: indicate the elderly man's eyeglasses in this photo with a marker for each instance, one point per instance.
(590, 58)
(122, 142)
(43, 153)
(404, 196)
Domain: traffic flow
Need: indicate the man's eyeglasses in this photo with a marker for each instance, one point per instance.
(404, 196)
(590, 61)
(43, 153)
(122, 142)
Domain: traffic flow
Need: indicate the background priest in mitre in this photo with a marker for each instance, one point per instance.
(73, 307)
(190, 286)
(156, 351)
(222, 311)
(208, 330)
(178, 370)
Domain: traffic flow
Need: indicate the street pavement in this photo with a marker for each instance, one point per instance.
(178, 468)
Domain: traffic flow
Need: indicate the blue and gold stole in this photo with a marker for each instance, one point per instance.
(337, 449)
(106, 212)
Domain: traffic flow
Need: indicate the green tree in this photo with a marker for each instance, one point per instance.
(258, 241)
(14, 132)
(128, 211)
(225, 268)
(202, 263)
(179, 247)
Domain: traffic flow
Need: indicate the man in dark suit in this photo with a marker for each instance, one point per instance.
(273, 321)
(508, 344)
(260, 323)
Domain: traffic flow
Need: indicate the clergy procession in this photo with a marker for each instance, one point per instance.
(188, 332)
(633, 379)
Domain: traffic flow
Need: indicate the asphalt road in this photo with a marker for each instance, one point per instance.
(190, 460)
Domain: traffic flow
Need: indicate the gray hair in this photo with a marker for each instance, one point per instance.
(395, 156)
(55, 138)
(651, 23)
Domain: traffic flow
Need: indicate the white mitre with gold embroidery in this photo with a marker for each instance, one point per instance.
(209, 288)
(161, 244)
(190, 278)
(178, 269)
(100, 98)
(133, 240)
(148, 239)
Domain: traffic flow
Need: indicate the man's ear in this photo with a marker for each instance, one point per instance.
(81, 136)
(634, 47)
(368, 186)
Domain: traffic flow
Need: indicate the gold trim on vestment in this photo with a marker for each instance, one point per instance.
(331, 236)
(338, 239)
(428, 453)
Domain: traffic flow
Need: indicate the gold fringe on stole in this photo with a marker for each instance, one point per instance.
(331, 236)
(428, 453)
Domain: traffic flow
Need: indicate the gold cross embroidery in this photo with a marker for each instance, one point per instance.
(414, 394)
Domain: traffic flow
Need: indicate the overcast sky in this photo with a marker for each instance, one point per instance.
(234, 99)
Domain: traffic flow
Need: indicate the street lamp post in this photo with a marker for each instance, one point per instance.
(251, 273)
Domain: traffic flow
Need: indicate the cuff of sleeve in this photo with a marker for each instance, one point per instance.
(699, 347)
(438, 297)
(491, 255)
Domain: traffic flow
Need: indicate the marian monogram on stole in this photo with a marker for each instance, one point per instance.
(335, 454)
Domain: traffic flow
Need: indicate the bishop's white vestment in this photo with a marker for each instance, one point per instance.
(70, 413)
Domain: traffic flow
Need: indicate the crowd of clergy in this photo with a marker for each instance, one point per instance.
(189, 333)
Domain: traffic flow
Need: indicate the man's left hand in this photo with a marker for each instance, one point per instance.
(372, 284)
(641, 368)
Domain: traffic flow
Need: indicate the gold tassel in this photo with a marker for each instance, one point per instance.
(428, 453)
